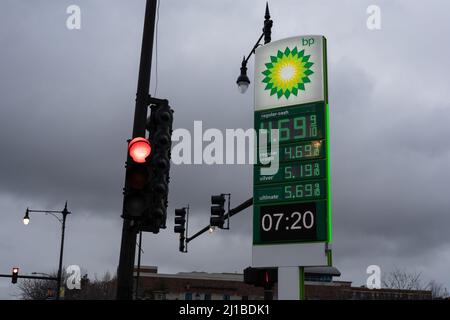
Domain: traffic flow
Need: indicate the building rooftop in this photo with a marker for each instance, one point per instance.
(152, 272)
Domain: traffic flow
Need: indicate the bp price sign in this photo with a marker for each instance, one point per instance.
(292, 202)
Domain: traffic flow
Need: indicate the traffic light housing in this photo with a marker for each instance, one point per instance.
(15, 275)
(265, 278)
(180, 221)
(217, 211)
(137, 179)
(182, 246)
(159, 127)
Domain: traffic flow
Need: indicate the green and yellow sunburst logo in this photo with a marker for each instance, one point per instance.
(287, 72)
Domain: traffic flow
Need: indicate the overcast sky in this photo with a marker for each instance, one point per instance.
(66, 111)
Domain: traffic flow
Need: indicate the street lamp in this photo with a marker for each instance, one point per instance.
(26, 219)
(64, 213)
(243, 81)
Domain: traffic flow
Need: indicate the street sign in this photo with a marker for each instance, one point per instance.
(291, 206)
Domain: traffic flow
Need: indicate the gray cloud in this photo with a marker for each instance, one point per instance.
(67, 105)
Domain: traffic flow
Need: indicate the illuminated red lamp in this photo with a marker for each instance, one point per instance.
(139, 149)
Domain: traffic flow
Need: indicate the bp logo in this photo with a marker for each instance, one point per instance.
(287, 73)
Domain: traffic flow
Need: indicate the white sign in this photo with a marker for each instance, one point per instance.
(290, 72)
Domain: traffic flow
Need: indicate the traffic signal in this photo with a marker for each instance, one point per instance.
(15, 275)
(180, 221)
(159, 126)
(182, 247)
(137, 179)
(265, 278)
(217, 211)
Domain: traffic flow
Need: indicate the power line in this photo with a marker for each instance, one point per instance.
(156, 48)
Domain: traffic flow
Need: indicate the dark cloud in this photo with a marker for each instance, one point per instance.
(67, 105)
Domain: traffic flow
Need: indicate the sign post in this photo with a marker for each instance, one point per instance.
(292, 206)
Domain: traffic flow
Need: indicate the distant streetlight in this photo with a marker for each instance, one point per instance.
(26, 219)
(64, 212)
(243, 81)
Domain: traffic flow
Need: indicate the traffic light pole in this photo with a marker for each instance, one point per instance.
(130, 230)
(29, 277)
(230, 213)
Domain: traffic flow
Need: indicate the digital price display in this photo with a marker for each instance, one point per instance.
(298, 191)
(298, 151)
(294, 123)
(291, 222)
(293, 171)
(302, 151)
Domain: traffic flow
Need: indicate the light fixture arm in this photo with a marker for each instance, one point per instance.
(52, 213)
(266, 33)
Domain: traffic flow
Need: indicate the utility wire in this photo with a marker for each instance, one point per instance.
(156, 48)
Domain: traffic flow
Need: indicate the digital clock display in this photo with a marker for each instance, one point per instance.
(298, 191)
(291, 171)
(291, 222)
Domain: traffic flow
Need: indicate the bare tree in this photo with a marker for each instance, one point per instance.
(96, 289)
(403, 280)
(36, 289)
(438, 290)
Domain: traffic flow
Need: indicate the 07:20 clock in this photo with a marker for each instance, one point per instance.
(299, 221)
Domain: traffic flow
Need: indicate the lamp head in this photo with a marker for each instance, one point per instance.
(243, 81)
(26, 218)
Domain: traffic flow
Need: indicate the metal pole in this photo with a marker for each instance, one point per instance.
(302, 283)
(61, 252)
(231, 213)
(138, 272)
(29, 277)
(129, 230)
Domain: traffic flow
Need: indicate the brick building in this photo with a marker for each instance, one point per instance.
(319, 285)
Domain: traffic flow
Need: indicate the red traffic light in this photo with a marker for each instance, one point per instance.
(139, 149)
(15, 274)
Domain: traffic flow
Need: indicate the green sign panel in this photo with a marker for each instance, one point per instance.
(297, 193)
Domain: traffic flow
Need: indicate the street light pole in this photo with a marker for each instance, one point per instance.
(61, 252)
(243, 81)
(64, 213)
